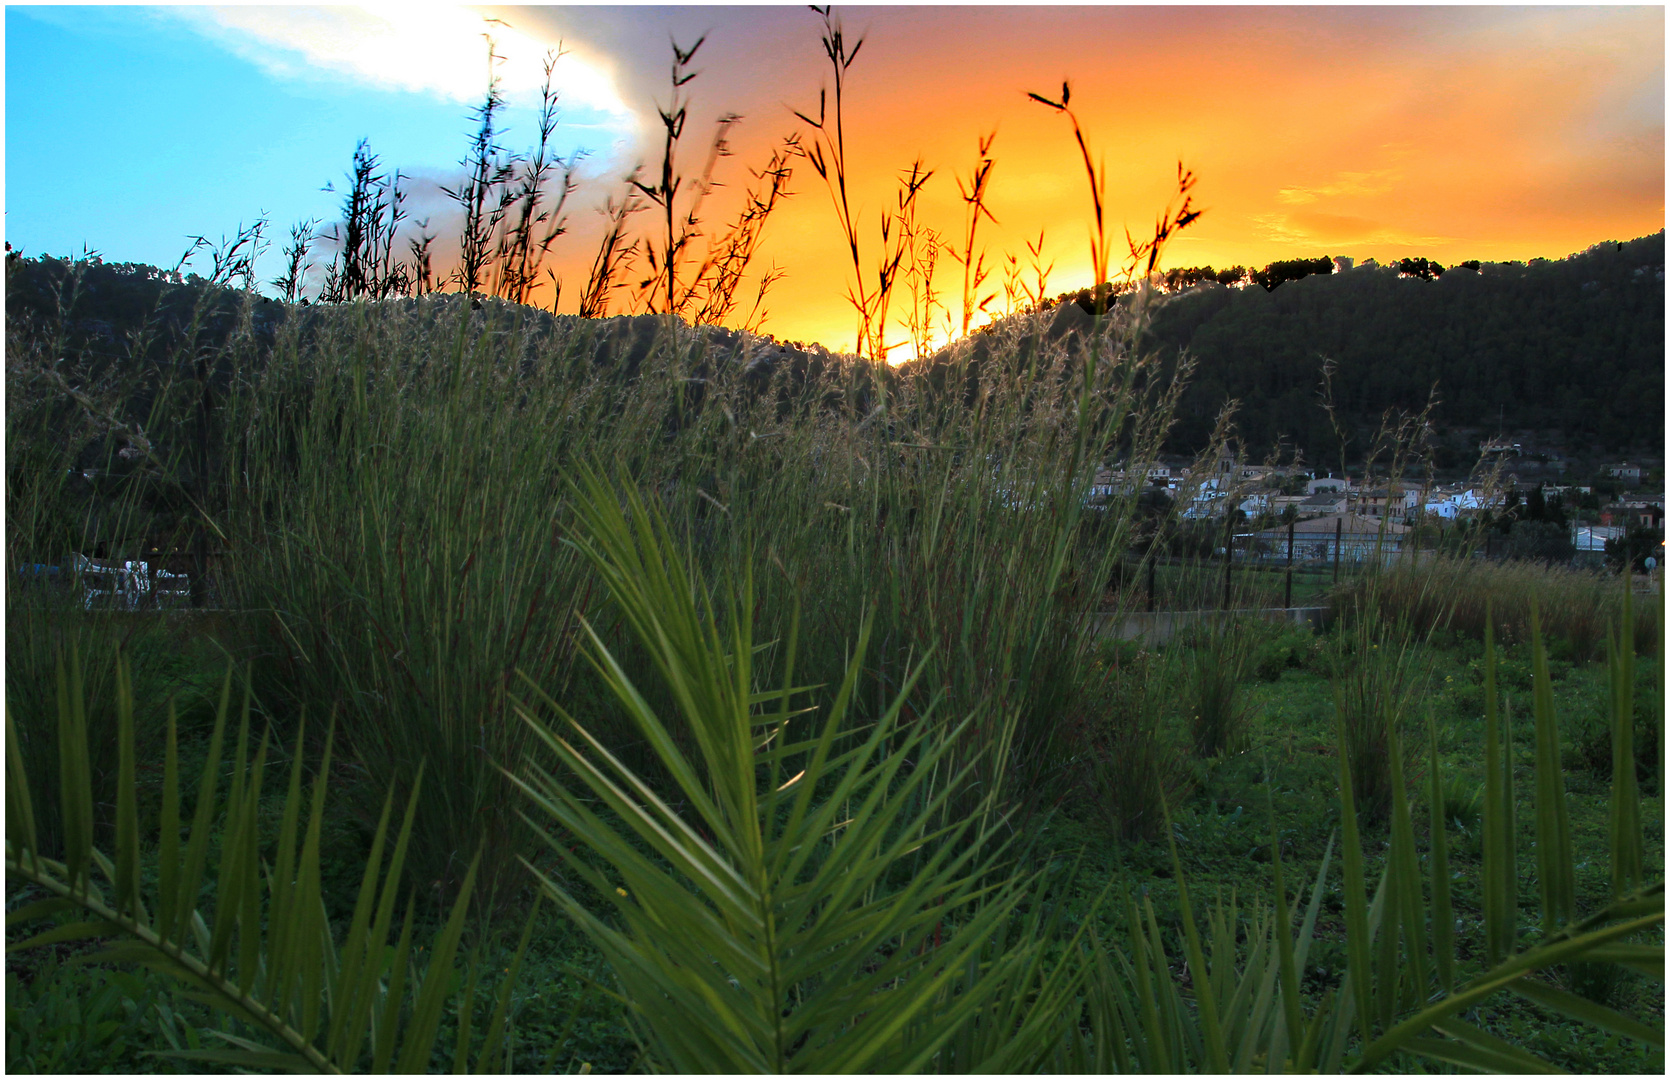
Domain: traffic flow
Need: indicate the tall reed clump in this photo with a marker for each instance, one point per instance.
(952, 503)
(1576, 605)
(1217, 715)
(384, 482)
(1377, 674)
(397, 553)
(1128, 761)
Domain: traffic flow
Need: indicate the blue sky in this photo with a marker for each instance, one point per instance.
(132, 129)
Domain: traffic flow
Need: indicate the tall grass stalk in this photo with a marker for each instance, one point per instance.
(827, 154)
(484, 195)
(536, 220)
(973, 261)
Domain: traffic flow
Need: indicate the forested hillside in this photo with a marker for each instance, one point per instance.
(1574, 344)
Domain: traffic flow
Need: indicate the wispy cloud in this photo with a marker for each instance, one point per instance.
(438, 50)
(1315, 227)
(1344, 184)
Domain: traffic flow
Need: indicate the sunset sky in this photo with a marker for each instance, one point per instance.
(1454, 133)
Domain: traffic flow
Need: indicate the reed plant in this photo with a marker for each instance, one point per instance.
(1218, 718)
(1441, 591)
(384, 481)
(485, 195)
(1119, 734)
(660, 290)
(365, 265)
(971, 256)
(536, 220)
(962, 530)
(826, 153)
(397, 558)
(1378, 674)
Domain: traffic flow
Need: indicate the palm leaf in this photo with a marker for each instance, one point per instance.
(310, 1005)
(767, 924)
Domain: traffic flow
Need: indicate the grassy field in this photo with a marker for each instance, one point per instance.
(63, 1017)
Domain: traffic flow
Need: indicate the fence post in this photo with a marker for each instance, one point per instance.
(1339, 529)
(1229, 550)
(1289, 602)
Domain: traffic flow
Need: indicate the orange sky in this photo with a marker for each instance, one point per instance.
(1453, 133)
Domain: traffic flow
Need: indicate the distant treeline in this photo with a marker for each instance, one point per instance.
(1574, 345)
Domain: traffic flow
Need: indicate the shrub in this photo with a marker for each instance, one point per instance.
(1286, 650)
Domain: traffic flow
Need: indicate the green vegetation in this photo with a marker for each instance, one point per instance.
(1575, 986)
(403, 559)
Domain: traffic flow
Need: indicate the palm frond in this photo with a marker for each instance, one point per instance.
(827, 922)
(265, 954)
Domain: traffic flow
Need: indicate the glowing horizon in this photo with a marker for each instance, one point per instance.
(1450, 133)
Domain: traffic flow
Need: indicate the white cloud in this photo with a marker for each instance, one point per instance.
(436, 49)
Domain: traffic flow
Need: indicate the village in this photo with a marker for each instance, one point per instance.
(1281, 514)
(1309, 516)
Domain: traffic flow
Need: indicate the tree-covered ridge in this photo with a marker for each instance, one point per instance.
(1574, 344)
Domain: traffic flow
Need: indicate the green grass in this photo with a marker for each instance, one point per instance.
(1222, 836)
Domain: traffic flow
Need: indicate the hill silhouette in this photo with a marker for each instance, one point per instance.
(1572, 345)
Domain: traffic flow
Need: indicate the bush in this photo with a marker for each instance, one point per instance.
(1287, 650)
